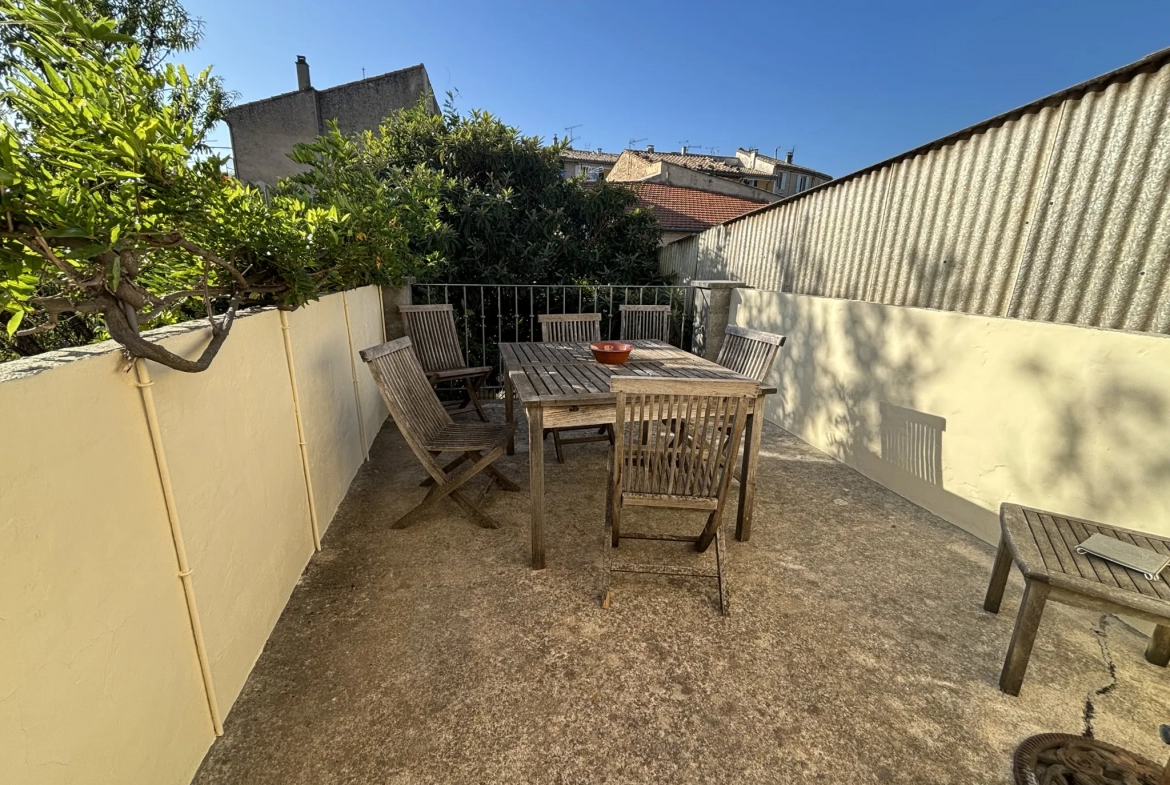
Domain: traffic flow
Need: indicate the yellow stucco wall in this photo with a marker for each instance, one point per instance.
(325, 383)
(99, 680)
(231, 441)
(365, 310)
(1054, 416)
(98, 676)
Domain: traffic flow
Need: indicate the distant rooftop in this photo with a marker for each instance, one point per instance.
(720, 165)
(589, 156)
(688, 209)
(388, 76)
(715, 164)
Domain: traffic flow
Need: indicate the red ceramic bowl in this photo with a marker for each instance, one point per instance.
(611, 352)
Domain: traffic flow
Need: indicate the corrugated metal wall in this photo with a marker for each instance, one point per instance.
(1061, 212)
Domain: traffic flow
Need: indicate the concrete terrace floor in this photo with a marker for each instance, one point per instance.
(857, 650)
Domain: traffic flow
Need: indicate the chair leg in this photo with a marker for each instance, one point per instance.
(1015, 664)
(473, 386)
(606, 574)
(721, 572)
(448, 486)
(407, 518)
(557, 444)
(609, 488)
(1158, 651)
(711, 530)
(615, 522)
(472, 509)
(500, 478)
(999, 577)
(429, 481)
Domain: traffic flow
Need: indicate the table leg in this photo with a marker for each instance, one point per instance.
(747, 479)
(509, 416)
(999, 577)
(536, 482)
(1023, 636)
(1158, 652)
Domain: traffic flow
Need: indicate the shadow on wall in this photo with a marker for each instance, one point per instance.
(912, 441)
(1108, 444)
(839, 387)
(849, 380)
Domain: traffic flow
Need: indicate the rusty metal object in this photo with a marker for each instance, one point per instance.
(1064, 759)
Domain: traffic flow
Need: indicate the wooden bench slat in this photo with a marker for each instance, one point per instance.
(1161, 586)
(1099, 565)
(1154, 543)
(1144, 584)
(1063, 553)
(1044, 546)
(1071, 541)
(1040, 537)
(1120, 574)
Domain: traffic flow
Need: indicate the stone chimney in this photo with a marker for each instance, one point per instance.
(684, 149)
(752, 158)
(649, 148)
(788, 156)
(303, 82)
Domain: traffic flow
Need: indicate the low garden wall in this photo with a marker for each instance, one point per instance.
(153, 525)
(959, 412)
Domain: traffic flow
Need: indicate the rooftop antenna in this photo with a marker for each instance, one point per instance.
(363, 72)
(569, 131)
(635, 141)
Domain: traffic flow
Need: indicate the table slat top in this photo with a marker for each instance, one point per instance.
(566, 373)
(1044, 545)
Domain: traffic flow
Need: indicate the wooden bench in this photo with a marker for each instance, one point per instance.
(1043, 545)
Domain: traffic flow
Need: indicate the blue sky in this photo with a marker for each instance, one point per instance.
(847, 84)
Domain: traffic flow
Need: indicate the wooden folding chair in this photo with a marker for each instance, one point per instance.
(750, 353)
(667, 469)
(436, 342)
(645, 322)
(430, 432)
(571, 328)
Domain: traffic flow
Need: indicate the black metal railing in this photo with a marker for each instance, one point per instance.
(487, 315)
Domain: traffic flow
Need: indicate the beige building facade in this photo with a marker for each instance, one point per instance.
(591, 165)
(264, 132)
(747, 174)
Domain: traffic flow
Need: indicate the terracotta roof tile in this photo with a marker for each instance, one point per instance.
(724, 165)
(589, 156)
(690, 210)
(717, 164)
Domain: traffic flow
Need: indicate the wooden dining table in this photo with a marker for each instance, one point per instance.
(561, 386)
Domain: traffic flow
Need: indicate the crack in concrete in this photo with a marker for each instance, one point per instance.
(1101, 631)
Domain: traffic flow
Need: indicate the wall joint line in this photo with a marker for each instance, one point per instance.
(164, 477)
(302, 444)
(357, 396)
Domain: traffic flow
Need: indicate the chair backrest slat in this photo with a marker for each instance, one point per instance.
(436, 340)
(570, 327)
(408, 395)
(693, 426)
(749, 353)
(641, 322)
